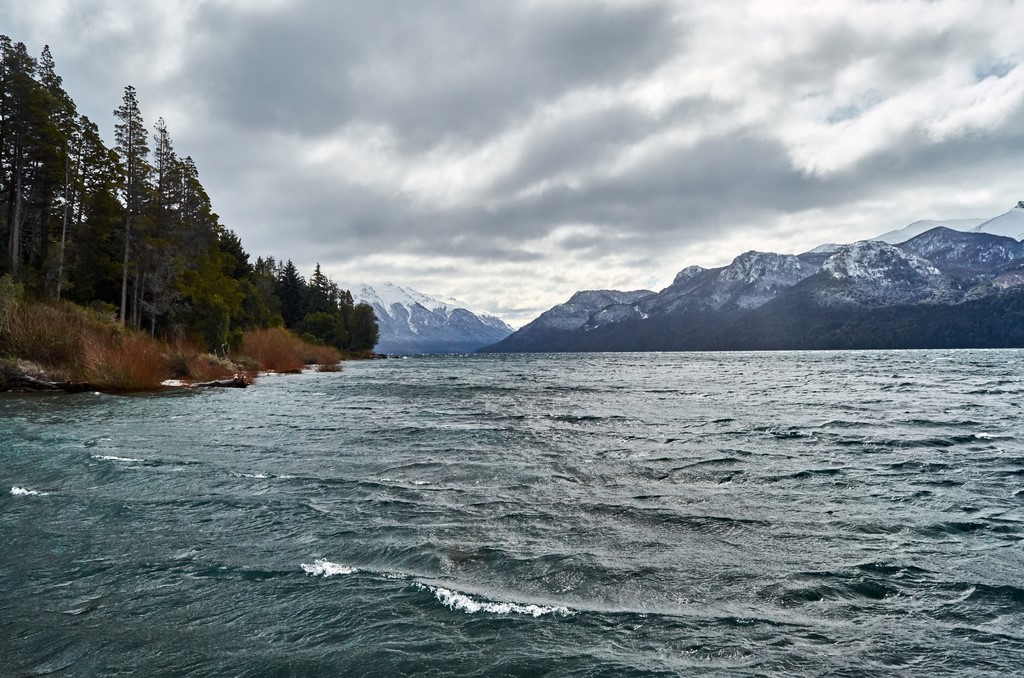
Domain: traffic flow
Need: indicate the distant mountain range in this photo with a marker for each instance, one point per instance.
(933, 284)
(411, 322)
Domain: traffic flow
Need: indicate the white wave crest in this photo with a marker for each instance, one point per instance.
(325, 568)
(105, 457)
(25, 492)
(464, 603)
(257, 476)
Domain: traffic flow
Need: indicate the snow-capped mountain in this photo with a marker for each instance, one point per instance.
(751, 280)
(412, 322)
(942, 284)
(1010, 224)
(561, 321)
(918, 227)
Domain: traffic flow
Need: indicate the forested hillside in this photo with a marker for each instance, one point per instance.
(129, 231)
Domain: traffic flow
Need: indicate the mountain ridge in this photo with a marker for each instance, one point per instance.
(931, 289)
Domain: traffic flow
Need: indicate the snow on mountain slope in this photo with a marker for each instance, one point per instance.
(965, 254)
(546, 331)
(872, 273)
(413, 322)
(1010, 224)
(918, 227)
(751, 280)
(389, 294)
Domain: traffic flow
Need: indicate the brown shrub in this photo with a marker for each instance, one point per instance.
(279, 350)
(318, 354)
(123, 361)
(274, 349)
(187, 361)
(207, 367)
(49, 335)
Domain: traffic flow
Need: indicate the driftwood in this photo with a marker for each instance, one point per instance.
(237, 381)
(22, 383)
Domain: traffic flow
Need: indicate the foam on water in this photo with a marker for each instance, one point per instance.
(462, 602)
(325, 568)
(106, 457)
(25, 492)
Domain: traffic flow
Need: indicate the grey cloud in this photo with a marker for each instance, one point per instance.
(458, 75)
(460, 69)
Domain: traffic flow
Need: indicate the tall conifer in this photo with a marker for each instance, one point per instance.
(133, 149)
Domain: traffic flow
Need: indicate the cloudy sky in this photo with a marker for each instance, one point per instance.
(509, 153)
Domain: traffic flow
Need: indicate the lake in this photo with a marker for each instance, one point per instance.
(796, 513)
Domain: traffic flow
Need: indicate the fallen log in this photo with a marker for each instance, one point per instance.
(23, 383)
(237, 381)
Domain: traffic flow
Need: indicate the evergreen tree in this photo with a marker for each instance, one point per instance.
(133, 149)
(95, 273)
(365, 332)
(291, 290)
(23, 121)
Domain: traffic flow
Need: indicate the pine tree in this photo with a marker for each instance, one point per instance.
(365, 332)
(291, 290)
(64, 119)
(21, 109)
(133, 149)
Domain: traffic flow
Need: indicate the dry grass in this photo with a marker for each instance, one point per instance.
(123, 361)
(322, 356)
(274, 349)
(189, 363)
(48, 335)
(71, 343)
(279, 350)
(206, 367)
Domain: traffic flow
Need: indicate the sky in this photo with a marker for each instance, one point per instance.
(509, 153)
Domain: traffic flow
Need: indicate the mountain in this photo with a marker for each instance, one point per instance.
(751, 280)
(1010, 224)
(944, 287)
(554, 329)
(918, 227)
(965, 254)
(412, 322)
(872, 273)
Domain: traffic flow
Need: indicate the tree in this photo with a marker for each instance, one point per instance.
(365, 332)
(94, 273)
(214, 299)
(133, 149)
(291, 290)
(22, 112)
(63, 124)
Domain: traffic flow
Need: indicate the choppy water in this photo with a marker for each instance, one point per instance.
(589, 515)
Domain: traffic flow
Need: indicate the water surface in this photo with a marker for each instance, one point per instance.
(842, 513)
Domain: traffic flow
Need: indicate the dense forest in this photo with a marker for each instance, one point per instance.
(128, 231)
